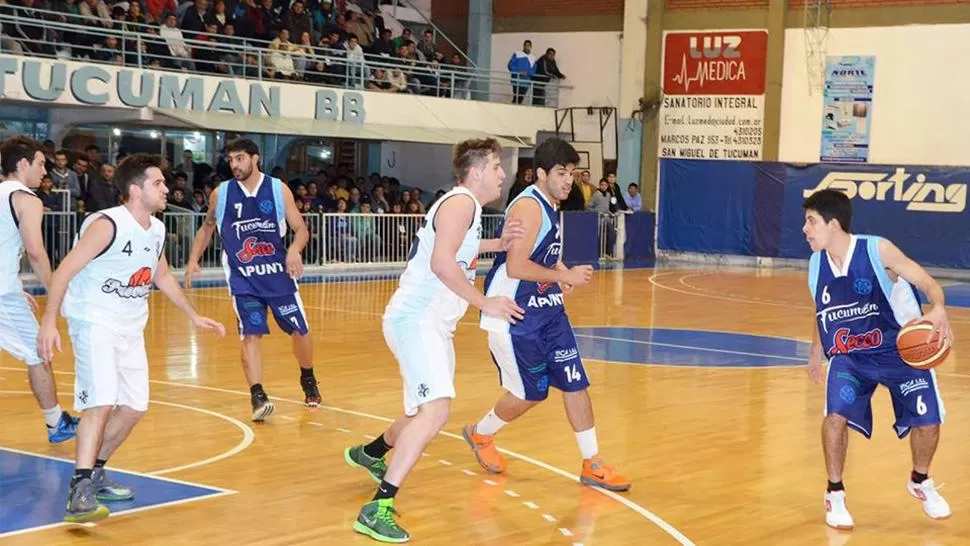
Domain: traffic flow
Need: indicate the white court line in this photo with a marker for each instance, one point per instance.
(675, 346)
(248, 437)
(531, 505)
(652, 281)
(666, 527)
(120, 512)
(132, 472)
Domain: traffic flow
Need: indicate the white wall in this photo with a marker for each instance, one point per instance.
(428, 166)
(921, 102)
(591, 63)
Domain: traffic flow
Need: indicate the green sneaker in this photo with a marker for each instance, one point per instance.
(376, 520)
(356, 457)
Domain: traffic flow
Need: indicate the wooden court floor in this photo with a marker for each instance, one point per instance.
(719, 455)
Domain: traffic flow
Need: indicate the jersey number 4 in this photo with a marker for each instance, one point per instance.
(127, 248)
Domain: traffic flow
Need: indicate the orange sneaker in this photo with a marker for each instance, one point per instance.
(485, 451)
(600, 474)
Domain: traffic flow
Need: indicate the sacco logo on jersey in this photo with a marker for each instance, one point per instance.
(920, 195)
(253, 248)
(846, 313)
(139, 285)
(845, 342)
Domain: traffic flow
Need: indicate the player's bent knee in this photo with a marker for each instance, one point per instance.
(438, 412)
(835, 420)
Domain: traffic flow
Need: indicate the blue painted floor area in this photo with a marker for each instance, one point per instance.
(33, 491)
(699, 348)
(957, 295)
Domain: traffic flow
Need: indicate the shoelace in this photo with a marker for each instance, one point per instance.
(380, 465)
(386, 515)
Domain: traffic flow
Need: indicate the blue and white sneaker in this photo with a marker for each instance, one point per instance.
(65, 430)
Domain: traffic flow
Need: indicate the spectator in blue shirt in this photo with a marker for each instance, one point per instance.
(522, 66)
(633, 200)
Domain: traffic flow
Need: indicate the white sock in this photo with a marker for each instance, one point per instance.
(53, 415)
(587, 443)
(490, 424)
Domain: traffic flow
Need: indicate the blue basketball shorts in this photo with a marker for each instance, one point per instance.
(531, 363)
(287, 310)
(853, 378)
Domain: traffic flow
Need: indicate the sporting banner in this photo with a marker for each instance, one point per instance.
(751, 208)
(847, 109)
(714, 94)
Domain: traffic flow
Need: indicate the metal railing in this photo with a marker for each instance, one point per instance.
(611, 236)
(53, 34)
(355, 240)
(364, 239)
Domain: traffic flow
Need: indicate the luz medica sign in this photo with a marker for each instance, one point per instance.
(847, 109)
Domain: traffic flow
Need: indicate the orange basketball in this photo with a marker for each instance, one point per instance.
(918, 345)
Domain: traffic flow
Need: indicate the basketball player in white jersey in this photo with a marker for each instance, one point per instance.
(434, 292)
(21, 213)
(104, 283)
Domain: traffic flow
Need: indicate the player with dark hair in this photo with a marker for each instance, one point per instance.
(21, 214)
(104, 283)
(864, 289)
(252, 213)
(540, 351)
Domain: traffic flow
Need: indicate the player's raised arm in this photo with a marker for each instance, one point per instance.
(902, 265)
(528, 214)
(450, 224)
(30, 211)
(202, 238)
(167, 284)
(95, 240)
(294, 260)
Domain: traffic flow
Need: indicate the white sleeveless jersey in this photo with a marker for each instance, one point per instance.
(11, 243)
(112, 290)
(421, 295)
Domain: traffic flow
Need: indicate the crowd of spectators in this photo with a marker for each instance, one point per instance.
(327, 42)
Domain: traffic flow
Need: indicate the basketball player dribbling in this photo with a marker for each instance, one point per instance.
(251, 213)
(540, 351)
(104, 283)
(864, 289)
(21, 214)
(419, 323)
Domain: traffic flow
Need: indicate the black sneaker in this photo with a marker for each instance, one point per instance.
(311, 391)
(262, 407)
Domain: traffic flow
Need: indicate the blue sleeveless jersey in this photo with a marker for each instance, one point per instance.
(542, 302)
(859, 310)
(252, 229)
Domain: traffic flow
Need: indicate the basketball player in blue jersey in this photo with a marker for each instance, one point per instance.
(21, 214)
(540, 351)
(251, 213)
(104, 283)
(865, 290)
(419, 324)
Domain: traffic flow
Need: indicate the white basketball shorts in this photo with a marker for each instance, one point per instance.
(426, 356)
(111, 369)
(18, 328)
